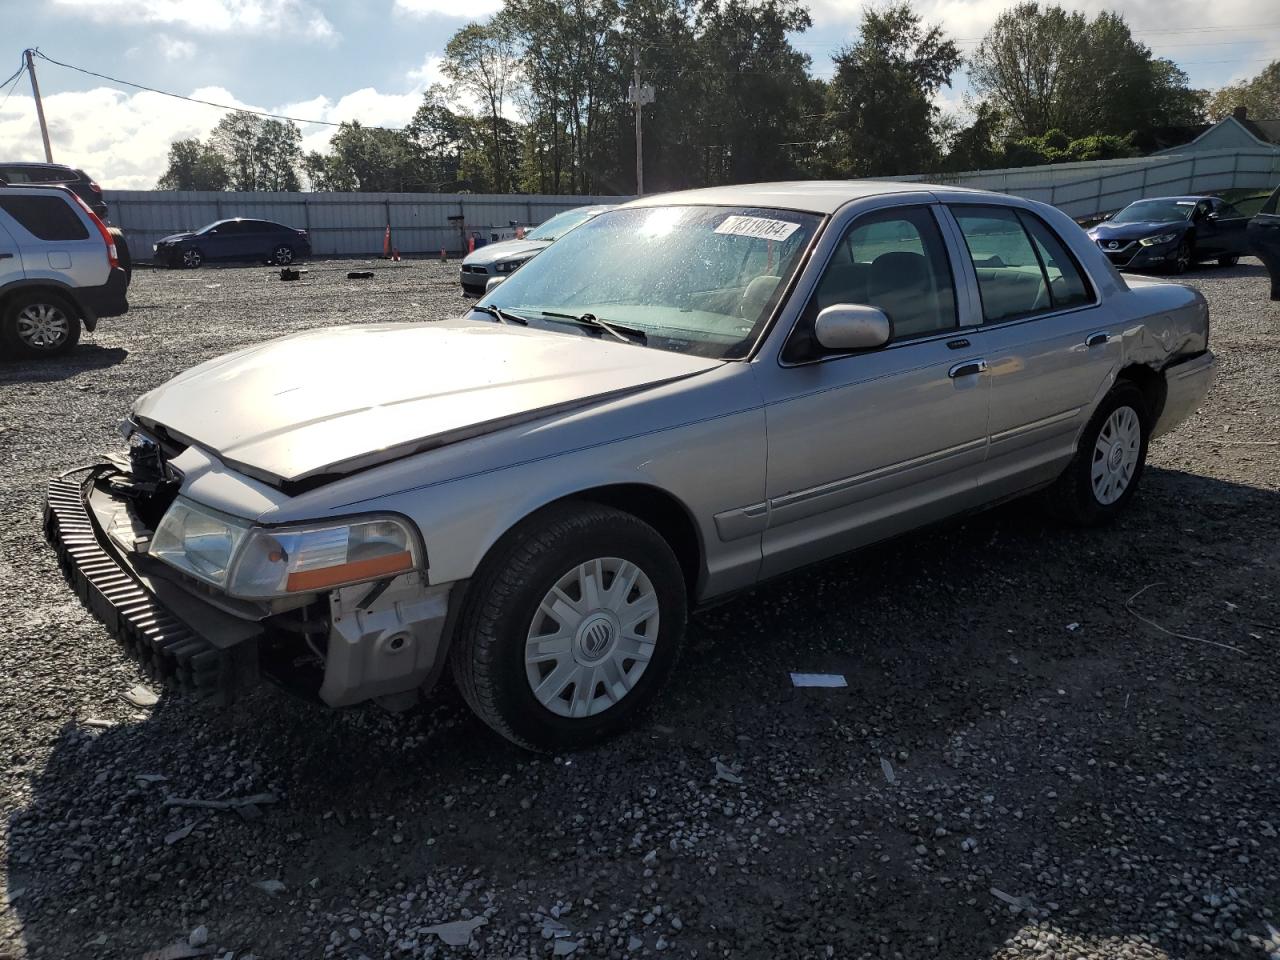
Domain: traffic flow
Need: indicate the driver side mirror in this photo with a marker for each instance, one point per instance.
(1211, 215)
(852, 326)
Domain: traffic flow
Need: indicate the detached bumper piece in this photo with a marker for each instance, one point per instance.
(170, 650)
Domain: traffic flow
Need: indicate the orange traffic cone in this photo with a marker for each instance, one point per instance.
(471, 244)
(386, 243)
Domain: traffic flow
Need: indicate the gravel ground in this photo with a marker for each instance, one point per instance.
(1023, 765)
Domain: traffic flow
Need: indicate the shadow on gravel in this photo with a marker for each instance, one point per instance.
(85, 357)
(1016, 755)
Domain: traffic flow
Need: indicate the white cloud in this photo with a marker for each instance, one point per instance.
(214, 16)
(475, 10)
(171, 48)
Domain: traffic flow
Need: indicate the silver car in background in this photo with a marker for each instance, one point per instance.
(502, 258)
(684, 396)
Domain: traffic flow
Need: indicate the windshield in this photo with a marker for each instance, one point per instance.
(693, 279)
(558, 225)
(1155, 211)
(209, 226)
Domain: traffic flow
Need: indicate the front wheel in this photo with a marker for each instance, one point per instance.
(1104, 473)
(192, 258)
(571, 627)
(1182, 258)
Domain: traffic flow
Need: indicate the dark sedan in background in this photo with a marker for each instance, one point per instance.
(256, 241)
(1173, 233)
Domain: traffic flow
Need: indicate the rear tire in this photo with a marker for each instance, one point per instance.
(570, 627)
(1104, 474)
(282, 256)
(39, 324)
(122, 252)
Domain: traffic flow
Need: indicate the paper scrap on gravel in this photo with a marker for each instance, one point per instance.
(818, 680)
(458, 933)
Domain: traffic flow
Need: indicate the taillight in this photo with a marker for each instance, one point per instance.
(112, 258)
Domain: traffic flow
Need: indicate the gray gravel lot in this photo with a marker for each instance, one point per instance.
(1020, 766)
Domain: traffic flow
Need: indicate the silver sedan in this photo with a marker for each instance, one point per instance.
(683, 397)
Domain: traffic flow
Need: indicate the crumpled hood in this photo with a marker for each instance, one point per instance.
(506, 250)
(175, 237)
(1136, 231)
(330, 402)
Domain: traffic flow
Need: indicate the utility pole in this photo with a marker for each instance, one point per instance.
(639, 94)
(35, 91)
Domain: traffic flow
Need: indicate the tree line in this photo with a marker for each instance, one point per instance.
(736, 102)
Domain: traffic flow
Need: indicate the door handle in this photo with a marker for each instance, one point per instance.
(967, 368)
(6, 256)
(1097, 339)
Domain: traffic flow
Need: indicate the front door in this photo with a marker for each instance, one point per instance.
(866, 445)
(1050, 354)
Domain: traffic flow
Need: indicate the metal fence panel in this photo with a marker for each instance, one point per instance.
(341, 224)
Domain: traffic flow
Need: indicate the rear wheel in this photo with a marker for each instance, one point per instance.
(122, 251)
(1104, 474)
(571, 627)
(282, 255)
(39, 324)
(191, 258)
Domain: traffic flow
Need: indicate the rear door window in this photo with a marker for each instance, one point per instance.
(46, 218)
(1022, 267)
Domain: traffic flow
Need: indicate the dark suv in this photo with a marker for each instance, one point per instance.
(56, 174)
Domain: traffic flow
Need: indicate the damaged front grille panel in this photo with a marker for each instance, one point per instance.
(169, 649)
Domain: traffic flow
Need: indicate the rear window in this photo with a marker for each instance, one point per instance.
(47, 218)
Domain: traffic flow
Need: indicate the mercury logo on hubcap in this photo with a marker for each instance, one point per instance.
(595, 637)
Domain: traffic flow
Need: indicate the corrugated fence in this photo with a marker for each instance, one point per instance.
(341, 224)
(1100, 186)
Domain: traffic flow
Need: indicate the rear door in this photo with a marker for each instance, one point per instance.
(1051, 356)
(10, 256)
(1233, 229)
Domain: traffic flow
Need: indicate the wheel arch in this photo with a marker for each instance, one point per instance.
(61, 290)
(1151, 383)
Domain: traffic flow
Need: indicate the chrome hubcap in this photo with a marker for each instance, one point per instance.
(1115, 455)
(43, 326)
(592, 637)
(284, 255)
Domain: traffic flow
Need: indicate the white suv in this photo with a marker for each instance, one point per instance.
(59, 270)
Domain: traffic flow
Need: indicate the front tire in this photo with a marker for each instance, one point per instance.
(570, 627)
(1182, 259)
(1104, 474)
(191, 258)
(39, 324)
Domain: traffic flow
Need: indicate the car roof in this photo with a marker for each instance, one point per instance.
(1190, 198)
(30, 165)
(811, 196)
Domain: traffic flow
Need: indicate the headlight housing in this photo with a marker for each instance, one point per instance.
(507, 266)
(261, 563)
(1161, 238)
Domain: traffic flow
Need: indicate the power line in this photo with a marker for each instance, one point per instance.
(178, 96)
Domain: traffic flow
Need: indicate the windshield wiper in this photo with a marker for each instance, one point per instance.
(500, 315)
(590, 320)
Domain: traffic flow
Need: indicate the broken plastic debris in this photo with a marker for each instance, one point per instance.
(1020, 902)
(271, 887)
(150, 777)
(180, 834)
(459, 932)
(887, 767)
(818, 680)
(565, 947)
(724, 773)
(99, 723)
(141, 696)
(1073, 627)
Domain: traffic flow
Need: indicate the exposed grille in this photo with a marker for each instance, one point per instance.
(167, 648)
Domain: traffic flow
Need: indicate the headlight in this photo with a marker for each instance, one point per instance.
(506, 266)
(256, 562)
(198, 540)
(1163, 238)
(304, 559)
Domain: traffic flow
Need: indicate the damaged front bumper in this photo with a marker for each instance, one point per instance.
(384, 640)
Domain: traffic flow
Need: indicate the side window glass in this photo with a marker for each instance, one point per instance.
(895, 260)
(1272, 206)
(1227, 211)
(1010, 280)
(1067, 285)
(46, 218)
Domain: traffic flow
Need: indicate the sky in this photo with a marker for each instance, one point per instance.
(371, 60)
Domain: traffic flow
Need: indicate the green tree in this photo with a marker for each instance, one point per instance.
(259, 153)
(1049, 69)
(279, 153)
(376, 160)
(481, 61)
(881, 97)
(1259, 96)
(193, 166)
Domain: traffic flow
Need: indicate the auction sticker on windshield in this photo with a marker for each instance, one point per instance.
(760, 227)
